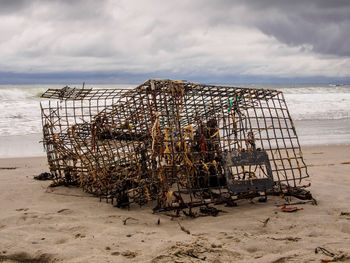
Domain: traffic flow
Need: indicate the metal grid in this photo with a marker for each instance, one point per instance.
(182, 144)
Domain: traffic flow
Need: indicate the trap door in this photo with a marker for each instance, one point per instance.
(248, 171)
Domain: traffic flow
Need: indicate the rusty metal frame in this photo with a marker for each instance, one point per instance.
(179, 143)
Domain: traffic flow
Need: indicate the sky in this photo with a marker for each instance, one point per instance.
(129, 41)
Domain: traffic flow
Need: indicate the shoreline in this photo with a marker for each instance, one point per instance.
(17, 146)
(311, 133)
(303, 148)
(65, 224)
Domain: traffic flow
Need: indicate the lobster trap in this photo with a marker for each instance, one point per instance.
(177, 143)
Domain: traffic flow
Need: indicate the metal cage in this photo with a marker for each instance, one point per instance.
(181, 144)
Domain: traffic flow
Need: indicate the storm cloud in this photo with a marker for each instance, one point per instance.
(324, 25)
(192, 38)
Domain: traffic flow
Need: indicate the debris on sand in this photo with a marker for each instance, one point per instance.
(181, 144)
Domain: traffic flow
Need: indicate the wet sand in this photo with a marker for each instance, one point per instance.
(64, 224)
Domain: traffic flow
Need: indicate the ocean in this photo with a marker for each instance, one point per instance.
(321, 114)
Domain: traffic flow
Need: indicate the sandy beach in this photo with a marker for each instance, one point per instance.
(64, 224)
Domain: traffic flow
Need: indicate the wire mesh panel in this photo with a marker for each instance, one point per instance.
(181, 144)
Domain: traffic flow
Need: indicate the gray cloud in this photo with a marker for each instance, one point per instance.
(11, 6)
(223, 37)
(322, 24)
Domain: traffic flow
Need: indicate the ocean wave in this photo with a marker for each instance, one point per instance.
(19, 111)
(320, 106)
(315, 90)
(20, 106)
(14, 95)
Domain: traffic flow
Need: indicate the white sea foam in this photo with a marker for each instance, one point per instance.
(19, 112)
(318, 102)
(320, 106)
(20, 108)
(20, 105)
(322, 116)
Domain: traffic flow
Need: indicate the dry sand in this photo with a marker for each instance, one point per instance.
(64, 224)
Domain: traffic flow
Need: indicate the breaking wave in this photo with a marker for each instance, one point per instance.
(20, 105)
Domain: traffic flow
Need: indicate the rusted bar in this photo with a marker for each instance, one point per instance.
(179, 143)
